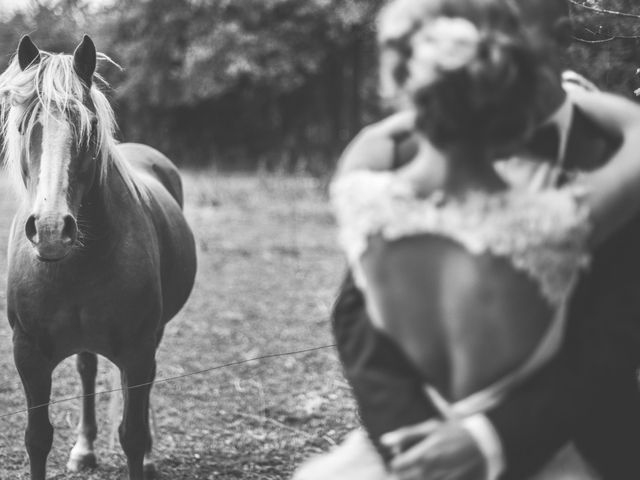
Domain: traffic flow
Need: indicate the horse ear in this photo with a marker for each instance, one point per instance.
(28, 53)
(84, 60)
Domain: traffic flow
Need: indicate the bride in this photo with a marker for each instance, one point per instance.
(468, 276)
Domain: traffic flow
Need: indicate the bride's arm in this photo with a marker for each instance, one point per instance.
(374, 147)
(612, 192)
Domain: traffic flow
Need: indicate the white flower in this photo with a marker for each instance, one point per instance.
(445, 44)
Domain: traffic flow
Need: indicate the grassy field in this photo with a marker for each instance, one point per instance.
(268, 272)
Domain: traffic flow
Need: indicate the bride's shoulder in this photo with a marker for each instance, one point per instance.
(359, 188)
(550, 215)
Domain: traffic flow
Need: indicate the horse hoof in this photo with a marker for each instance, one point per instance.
(78, 463)
(150, 472)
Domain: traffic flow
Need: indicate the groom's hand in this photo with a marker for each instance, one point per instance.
(438, 451)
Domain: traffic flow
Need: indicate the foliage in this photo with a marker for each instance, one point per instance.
(207, 78)
(273, 81)
(244, 73)
(607, 48)
(54, 26)
(187, 52)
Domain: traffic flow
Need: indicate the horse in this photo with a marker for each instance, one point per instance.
(100, 255)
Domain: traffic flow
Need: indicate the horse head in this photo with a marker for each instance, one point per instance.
(54, 139)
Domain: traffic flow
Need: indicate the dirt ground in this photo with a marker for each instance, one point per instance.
(268, 271)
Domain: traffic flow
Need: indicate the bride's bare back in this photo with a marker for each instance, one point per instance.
(469, 288)
(464, 320)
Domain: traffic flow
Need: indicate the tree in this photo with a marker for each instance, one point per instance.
(276, 78)
(54, 26)
(274, 81)
(607, 42)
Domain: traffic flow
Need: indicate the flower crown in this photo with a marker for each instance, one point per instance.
(443, 45)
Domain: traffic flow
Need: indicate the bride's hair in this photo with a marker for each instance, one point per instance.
(468, 67)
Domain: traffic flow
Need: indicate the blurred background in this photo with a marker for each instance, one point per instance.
(273, 84)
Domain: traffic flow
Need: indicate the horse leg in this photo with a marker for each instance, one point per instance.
(82, 455)
(35, 372)
(135, 436)
(115, 405)
(149, 463)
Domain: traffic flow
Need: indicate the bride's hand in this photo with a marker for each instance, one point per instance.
(426, 172)
(439, 451)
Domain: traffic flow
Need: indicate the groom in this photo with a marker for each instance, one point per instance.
(588, 394)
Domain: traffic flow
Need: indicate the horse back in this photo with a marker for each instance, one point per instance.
(148, 160)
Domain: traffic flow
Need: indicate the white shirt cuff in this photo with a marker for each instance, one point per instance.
(488, 442)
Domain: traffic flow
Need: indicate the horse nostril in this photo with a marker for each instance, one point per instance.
(30, 229)
(70, 229)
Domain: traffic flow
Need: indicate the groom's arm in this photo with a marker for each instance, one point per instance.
(385, 388)
(384, 384)
(512, 441)
(541, 415)
(537, 418)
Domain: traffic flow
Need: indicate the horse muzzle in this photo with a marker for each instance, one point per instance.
(52, 236)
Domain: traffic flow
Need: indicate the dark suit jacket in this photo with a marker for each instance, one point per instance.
(587, 394)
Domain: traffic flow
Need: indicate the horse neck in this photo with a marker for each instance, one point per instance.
(105, 208)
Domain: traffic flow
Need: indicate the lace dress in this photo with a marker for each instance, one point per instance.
(542, 234)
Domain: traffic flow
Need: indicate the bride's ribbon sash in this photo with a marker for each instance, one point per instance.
(491, 396)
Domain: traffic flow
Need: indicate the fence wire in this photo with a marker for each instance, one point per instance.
(170, 379)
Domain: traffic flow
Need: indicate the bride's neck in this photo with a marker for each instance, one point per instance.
(455, 171)
(470, 168)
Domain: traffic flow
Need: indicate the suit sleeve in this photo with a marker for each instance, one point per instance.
(538, 417)
(385, 385)
(589, 377)
(563, 400)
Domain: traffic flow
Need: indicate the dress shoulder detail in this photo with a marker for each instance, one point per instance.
(543, 234)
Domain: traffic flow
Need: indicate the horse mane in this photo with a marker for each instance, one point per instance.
(52, 85)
